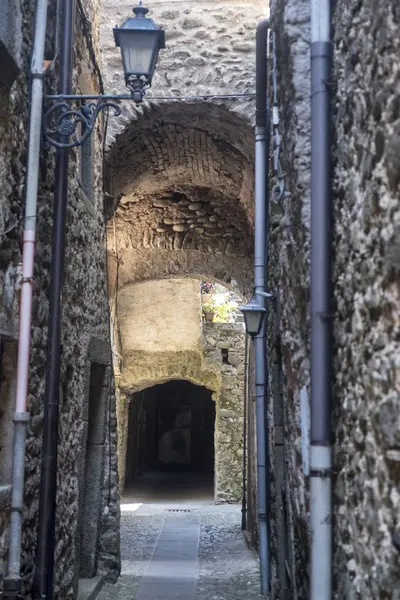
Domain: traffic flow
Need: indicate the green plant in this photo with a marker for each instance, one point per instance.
(222, 310)
(223, 313)
(210, 305)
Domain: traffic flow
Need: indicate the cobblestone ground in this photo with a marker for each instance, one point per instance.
(226, 568)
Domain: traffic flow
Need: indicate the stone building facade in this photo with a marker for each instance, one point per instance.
(224, 347)
(366, 427)
(87, 495)
(160, 338)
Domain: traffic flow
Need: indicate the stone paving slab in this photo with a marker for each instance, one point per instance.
(161, 547)
(172, 571)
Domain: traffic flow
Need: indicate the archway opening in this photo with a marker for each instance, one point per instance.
(170, 449)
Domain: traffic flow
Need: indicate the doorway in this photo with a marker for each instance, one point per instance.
(170, 451)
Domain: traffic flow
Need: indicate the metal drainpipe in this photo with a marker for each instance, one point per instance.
(244, 464)
(12, 583)
(260, 261)
(321, 305)
(48, 484)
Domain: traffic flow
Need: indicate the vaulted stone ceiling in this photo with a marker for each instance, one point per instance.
(182, 179)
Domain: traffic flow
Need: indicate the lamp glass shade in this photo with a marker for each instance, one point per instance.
(253, 314)
(140, 40)
(139, 50)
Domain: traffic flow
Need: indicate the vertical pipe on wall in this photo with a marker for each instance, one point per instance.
(244, 464)
(321, 309)
(12, 582)
(48, 483)
(260, 261)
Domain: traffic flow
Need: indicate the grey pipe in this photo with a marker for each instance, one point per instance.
(321, 305)
(244, 460)
(12, 583)
(260, 261)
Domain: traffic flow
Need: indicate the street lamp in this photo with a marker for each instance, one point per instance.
(140, 40)
(71, 118)
(254, 314)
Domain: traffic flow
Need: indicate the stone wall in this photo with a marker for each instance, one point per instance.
(224, 346)
(85, 318)
(367, 297)
(209, 50)
(366, 293)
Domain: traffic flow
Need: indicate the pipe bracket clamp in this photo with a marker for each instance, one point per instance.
(17, 509)
(21, 417)
(322, 473)
(27, 280)
(12, 586)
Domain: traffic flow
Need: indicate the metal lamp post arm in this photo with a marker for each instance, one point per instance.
(269, 295)
(61, 121)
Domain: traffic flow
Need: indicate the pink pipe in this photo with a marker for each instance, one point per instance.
(25, 321)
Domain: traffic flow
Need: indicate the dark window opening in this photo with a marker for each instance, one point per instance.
(225, 356)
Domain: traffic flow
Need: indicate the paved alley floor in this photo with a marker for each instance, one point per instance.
(183, 549)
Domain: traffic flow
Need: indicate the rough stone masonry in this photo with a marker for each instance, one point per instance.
(366, 176)
(85, 335)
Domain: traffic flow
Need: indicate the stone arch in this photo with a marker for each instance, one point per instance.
(188, 366)
(207, 378)
(182, 178)
(183, 147)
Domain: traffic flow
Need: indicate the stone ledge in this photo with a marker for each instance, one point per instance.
(229, 326)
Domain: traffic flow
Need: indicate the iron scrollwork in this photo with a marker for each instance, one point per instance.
(66, 126)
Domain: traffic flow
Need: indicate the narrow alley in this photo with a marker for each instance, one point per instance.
(182, 548)
(199, 300)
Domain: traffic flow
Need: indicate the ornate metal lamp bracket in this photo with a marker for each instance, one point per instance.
(71, 120)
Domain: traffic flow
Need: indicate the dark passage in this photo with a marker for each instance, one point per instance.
(171, 438)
